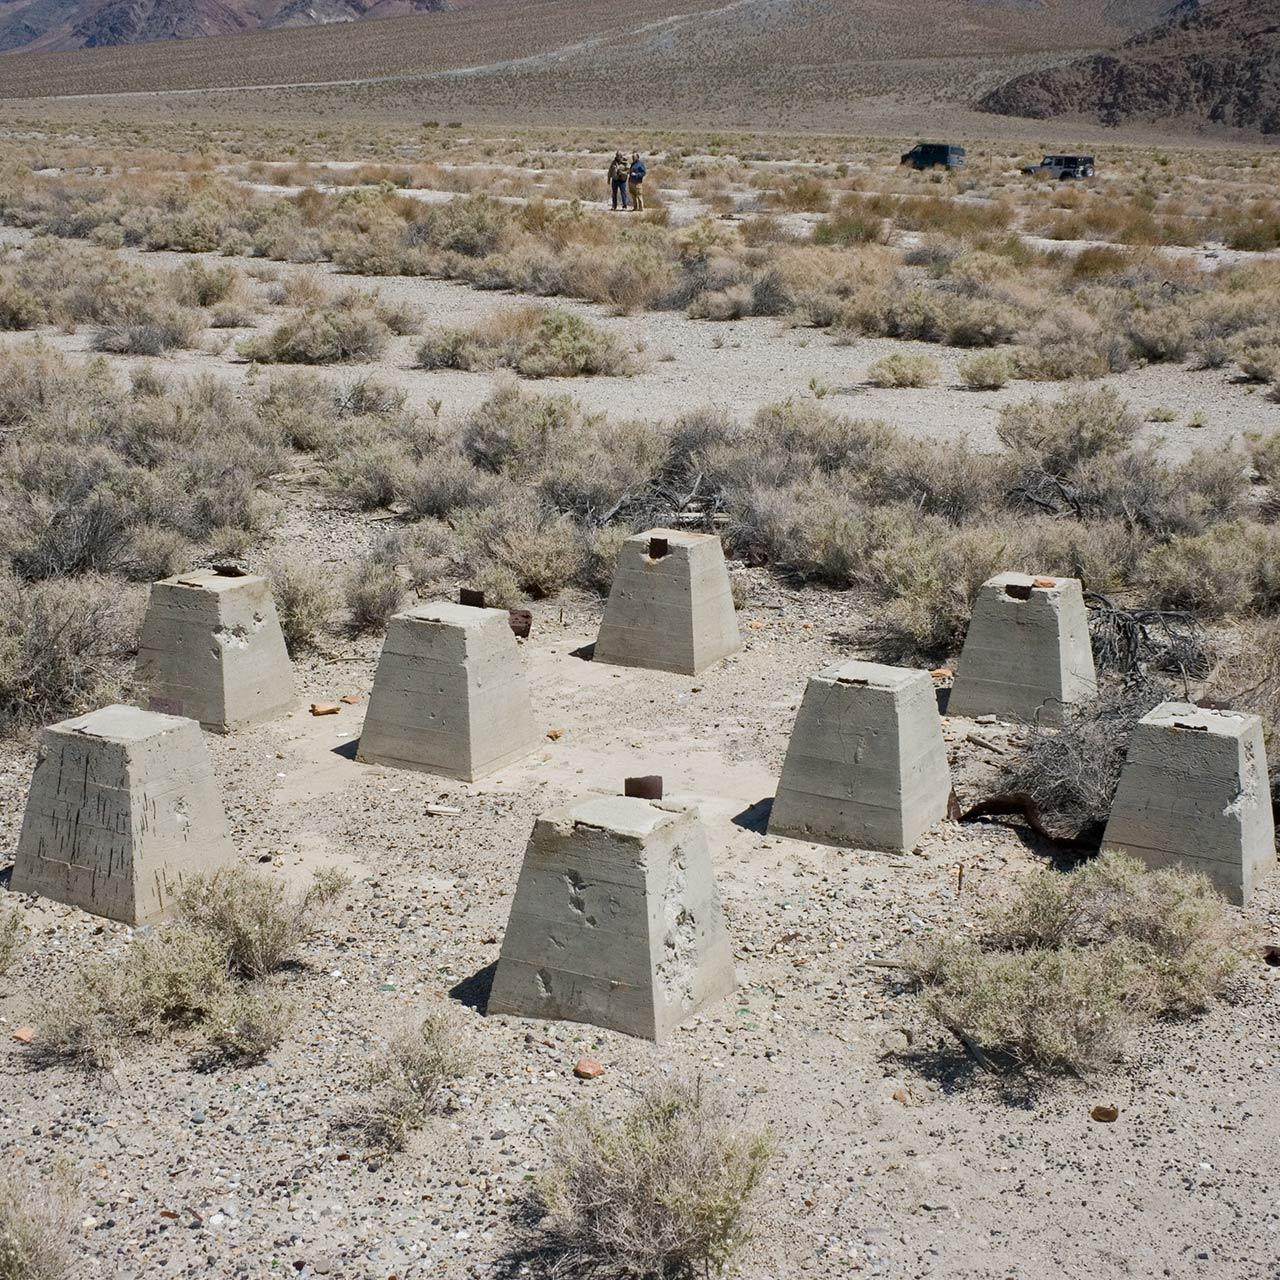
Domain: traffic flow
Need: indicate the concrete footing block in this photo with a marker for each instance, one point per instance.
(1027, 652)
(670, 606)
(450, 695)
(866, 766)
(616, 919)
(212, 650)
(1194, 793)
(123, 807)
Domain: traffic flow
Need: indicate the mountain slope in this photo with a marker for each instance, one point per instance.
(1216, 61)
(92, 24)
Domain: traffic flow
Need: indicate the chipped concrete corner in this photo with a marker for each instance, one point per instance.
(866, 766)
(1194, 794)
(616, 920)
(450, 695)
(670, 605)
(123, 807)
(212, 650)
(1027, 653)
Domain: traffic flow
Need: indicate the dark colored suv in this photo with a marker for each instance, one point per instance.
(1062, 167)
(929, 155)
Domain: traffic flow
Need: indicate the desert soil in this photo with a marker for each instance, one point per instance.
(895, 1158)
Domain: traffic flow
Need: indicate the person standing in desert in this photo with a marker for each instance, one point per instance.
(618, 173)
(635, 181)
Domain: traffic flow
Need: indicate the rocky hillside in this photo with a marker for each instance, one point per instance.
(89, 24)
(1212, 61)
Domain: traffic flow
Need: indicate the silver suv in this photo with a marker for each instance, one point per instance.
(1063, 167)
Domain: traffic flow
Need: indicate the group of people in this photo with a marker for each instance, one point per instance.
(626, 181)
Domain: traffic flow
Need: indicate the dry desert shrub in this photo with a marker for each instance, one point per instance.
(37, 1228)
(987, 371)
(536, 342)
(374, 593)
(665, 1191)
(63, 646)
(97, 469)
(248, 1024)
(402, 1086)
(1062, 973)
(1231, 568)
(305, 600)
(1070, 774)
(330, 334)
(904, 371)
(165, 983)
(13, 937)
(259, 923)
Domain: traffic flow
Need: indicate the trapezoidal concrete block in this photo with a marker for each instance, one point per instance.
(212, 650)
(450, 696)
(670, 607)
(1194, 793)
(616, 919)
(866, 766)
(123, 807)
(1027, 652)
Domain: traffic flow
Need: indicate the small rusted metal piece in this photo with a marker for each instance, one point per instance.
(521, 622)
(658, 547)
(230, 571)
(646, 788)
(471, 597)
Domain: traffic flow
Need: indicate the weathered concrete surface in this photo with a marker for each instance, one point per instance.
(212, 649)
(1194, 793)
(616, 919)
(672, 612)
(123, 806)
(1027, 651)
(866, 766)
(450, 695)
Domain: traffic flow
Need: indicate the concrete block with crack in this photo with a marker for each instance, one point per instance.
(670, 606)
(123, 807)
(212, 650)
(1027, 653)
(450, 695)
(1194, 793)
(616, 919)
(866, 766)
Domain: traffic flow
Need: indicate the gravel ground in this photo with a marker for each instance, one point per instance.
(893, 1158)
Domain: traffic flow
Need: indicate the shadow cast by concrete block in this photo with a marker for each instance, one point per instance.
(756, 817)
(473, 992)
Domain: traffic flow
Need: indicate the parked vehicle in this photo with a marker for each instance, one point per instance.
(930, 155)
(1062, 167)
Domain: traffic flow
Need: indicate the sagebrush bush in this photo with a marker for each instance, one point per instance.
(904, 371)
(259, 922)
(330, 334)
(374, 593)
(305, 600)
(402, 1085)
(987, 371)
(37, 1228)
(249, 1023)
(167, 982)
(536, 342)
(13, 937)
(63, 645)
(1065, 971)
(665, 1191)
